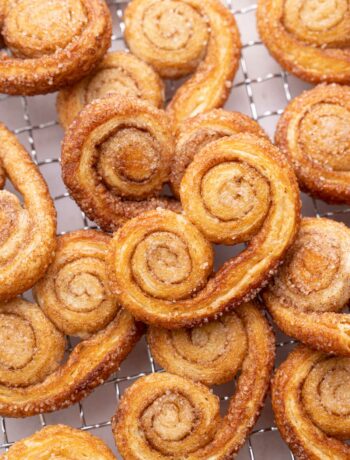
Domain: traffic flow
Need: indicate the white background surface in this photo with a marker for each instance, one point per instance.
(261, 90)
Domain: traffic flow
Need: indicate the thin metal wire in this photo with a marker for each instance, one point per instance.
(117, 7)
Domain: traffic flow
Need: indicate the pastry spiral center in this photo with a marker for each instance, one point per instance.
(232, 191)
(36, 27)
(17, 341)
(324, 136)
(108, 81)
(335, 391)
(170, 416)
(314, 265)
(166, 256)
(14, 226)
(322, 14)
(129, 155)
(173, 26)
(205, 343)
(79, 284)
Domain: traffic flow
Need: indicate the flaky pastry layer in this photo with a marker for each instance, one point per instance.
(165, 415)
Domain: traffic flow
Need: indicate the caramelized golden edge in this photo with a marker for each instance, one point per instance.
(66, 66)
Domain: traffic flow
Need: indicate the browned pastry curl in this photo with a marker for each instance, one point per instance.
(199, 131)
(210, 353)
(74, 292)
(28, 230)
(237, 189)
(30, 346)
(164, 416)
(59, 442)
(2, 176)
(309, 38)
(313, 285)
(314, 132)
(310, 398)
(116, 156)
(53, 44)
(31, 349)
(120, 73)
(181, 37)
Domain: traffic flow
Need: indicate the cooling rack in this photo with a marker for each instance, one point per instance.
(261, 90)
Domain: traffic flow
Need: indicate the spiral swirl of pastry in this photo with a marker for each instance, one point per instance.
(199, 131)
(59, 442)
(211, 353)
(308, 38)
(74, 292)
(53, 44)
(116, 156)
(169, 416)
(238, 188)
(311, 404)
(314, 133)
(30, 345)
(89, 364)
(28, 230)
(180, 37)
(313, 285)
(120, 73)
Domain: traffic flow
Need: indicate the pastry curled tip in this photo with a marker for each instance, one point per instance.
(68, 442)
(28, 230)
(33, 379)
(173, 416)
(310, 39)
(312, 287)
(204, 40)
(74, 36)
(160, 263)
(309, 399)
(314, 133)
(120, 73)
(116, 156)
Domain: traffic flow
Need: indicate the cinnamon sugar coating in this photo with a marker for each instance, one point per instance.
(53, 44)
(314, 132)
(166, 415)
(182, 37)
(59, 442)
(89, 364)
(311, 405)
(312, 287)
(237, 189)
(28, 230)
(119, 72)
(116, 156)
(74, 292)
(308, 38)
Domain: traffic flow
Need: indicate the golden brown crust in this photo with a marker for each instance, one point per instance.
(309, 376)
(203, 39)
(74, 292)
(314, 133)
(89, 364)
(54, 45)
(313, 285)
(30, 346)
(309, 39)
(28, 231)
(2, 176)
(119, 72)
(176, 417)
(211, 353)
(152, 257)
(199, 131)
(116, 157)
(59, 441)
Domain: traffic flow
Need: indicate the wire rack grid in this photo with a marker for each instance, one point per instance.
(261, 89)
